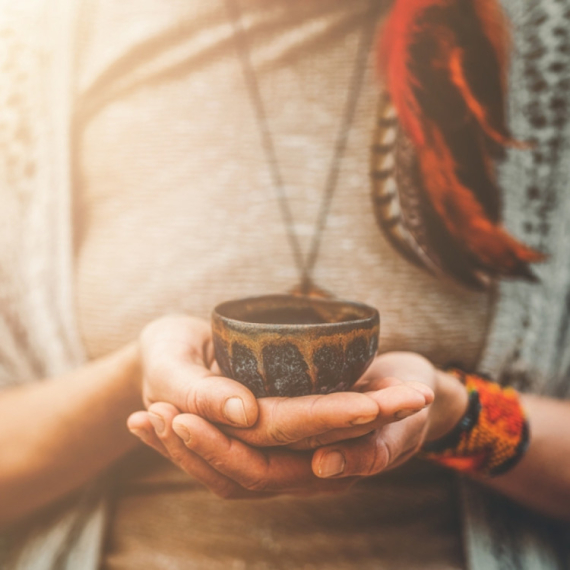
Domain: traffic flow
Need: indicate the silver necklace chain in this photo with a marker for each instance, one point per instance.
(305, 266)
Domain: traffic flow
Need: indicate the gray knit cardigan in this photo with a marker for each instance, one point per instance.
(528, 343)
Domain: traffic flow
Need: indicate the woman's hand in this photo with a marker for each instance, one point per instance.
(178, 367)
(227, 460)
(394, 443)
(177, 358)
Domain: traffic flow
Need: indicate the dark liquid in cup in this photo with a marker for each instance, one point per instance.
(294, 316)
(286, 316)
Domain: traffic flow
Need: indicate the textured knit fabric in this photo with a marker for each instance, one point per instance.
(528, 344)
(38, 333)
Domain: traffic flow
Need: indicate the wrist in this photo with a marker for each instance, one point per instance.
(492, 435)
(129, 368)
(449, 405)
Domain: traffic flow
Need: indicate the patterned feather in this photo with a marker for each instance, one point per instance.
(402, 207)
(444, 63)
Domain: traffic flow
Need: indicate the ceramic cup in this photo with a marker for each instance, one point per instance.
(285, 345)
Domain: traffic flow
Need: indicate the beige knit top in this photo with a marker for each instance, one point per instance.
(177, 211)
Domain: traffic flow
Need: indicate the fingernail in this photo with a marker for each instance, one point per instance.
(424, 390)
(140, 433)
(332, 464)
(156, 421)
(363, 420)
(182, 432)
(234, 411)
(406, 413)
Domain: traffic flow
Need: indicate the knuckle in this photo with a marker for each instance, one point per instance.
(314, 442)
(313, 406)
(315, 411)
(256, 484)
(279, 436)
(218, 457)
(216, 462)
(213, 459)
(379, 458)
(193, 401)
(275, 432)
(199, 402)
(202, 401)
(178, 456)
(384, 453)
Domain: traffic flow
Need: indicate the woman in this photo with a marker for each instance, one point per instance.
(161, 225)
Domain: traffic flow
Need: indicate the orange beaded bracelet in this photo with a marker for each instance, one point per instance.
(490, 438)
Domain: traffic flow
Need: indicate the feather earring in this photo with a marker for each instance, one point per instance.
(442, 117)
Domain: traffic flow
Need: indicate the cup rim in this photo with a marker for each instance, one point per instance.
(372, 318)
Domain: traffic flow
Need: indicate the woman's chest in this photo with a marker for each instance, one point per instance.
(179, 210)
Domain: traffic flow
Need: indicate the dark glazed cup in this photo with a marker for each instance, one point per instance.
(284, 345)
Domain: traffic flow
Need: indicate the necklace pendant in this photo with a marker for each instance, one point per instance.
(307, 288)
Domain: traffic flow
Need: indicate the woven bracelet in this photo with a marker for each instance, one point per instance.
(490, 438)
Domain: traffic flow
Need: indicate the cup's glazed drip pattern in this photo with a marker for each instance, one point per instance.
(292, 346)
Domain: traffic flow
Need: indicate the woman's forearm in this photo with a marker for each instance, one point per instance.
(58, 434)
(541, 480)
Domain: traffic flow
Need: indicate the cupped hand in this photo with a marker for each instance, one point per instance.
(394, 443)
(391, 424)
(389, 444)
(178, 367)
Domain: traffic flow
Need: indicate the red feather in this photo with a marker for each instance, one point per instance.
(444, 64)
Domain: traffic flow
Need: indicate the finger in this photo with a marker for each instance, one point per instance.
(405, 366)
(395, 403)
(372, 381)
(401, 400)
(253, 469)
(423, 389)
(334, 436)
(373, 453)
(196, 390)
(313, 421)
(218, 399)
(161, 416)
(177, 353)
(139, 425)
(375, 383)
(286, 420)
